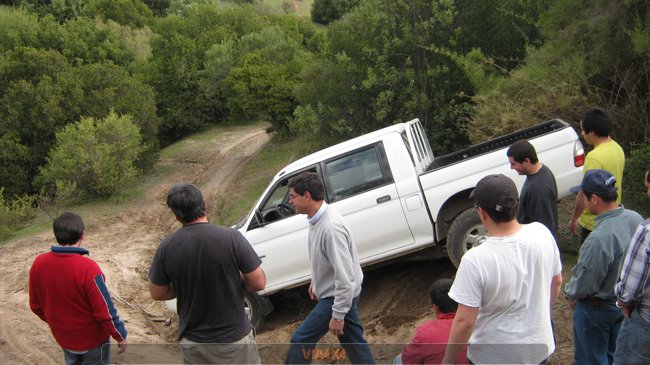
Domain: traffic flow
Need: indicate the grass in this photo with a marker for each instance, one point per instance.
(254, 179)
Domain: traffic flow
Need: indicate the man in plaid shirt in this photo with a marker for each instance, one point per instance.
(633, 293)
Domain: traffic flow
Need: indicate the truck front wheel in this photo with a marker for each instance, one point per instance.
(256, 307)
(466, 231)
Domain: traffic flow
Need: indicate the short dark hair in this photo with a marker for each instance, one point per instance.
(68, 228)
(308, 181)
(608, 198)
(522, 150)
(186, 201)
(596, 120)
(647, 174)
(439, 293)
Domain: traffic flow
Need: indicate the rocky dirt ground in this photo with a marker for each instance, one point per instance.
(393, 303)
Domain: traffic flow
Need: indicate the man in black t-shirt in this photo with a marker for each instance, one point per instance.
(207, 268)
(538, 197)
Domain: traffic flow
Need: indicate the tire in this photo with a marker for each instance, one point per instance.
(466, 232)
(257, 307)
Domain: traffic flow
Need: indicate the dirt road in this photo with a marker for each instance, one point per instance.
(394, 299)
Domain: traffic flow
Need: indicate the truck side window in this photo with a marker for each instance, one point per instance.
(272, 209)
(356, 173)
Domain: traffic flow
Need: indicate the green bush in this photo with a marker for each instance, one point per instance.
(634, 191)
(97, 155)
(14, 212)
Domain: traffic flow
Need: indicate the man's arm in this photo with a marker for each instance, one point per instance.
(578, 208)
(589, 272)
(162, 292)
(255, 280)
(635, 271)
(461, 330)
(34, 302)
(556, 286)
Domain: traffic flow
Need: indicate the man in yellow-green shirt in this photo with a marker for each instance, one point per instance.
(595, 127)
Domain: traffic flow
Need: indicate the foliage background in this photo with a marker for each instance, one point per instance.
(469, 69)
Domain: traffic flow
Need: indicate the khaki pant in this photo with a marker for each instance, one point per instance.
(243, 351)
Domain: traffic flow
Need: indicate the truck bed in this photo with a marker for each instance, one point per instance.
(497, 143)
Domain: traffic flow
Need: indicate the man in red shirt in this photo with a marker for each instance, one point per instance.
(430, 340)
(68, 291)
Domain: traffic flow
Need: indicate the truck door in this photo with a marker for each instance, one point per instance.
(281, 238)
(361, 186)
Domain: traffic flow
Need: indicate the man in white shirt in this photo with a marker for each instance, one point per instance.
(505, 286)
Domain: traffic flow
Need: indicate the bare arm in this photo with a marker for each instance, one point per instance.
(578, 208)
(461, 330)
(255, 280)
(161, 292)
(556, 285)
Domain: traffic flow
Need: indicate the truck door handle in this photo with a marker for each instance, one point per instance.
(383, 199)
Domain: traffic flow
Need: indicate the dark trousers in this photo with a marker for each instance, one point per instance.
(316, 325)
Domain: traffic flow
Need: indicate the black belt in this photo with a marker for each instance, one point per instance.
(597, 302)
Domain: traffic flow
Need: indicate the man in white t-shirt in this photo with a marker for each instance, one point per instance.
(505, 287)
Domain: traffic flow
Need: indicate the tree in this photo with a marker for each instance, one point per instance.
(501, 29)
(80, 40)
(40, 92)
(98, 156)
(175, 70)
(62, 10)
(108, 87)
(36, 98)
(158, 7)
(388, 62)
(256, 75)
(327, 11)
(594, 54)
(14, 157)
(126, 12)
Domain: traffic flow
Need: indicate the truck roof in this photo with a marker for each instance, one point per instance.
(346, 145)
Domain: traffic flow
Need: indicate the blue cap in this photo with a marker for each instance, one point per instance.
(599, 182)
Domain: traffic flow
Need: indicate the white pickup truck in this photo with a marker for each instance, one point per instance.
(396, 197)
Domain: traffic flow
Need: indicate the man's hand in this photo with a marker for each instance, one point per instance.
(121, 346)
(336, 326)
(625, 307)
(310, 291)
(571, 302)
(578, 207)
(573, 226)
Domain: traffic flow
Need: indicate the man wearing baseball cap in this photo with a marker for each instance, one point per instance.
(505, 286)
(596, 320)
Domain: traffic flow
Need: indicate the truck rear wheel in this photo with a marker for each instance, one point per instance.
(466, 232)
(256, 307)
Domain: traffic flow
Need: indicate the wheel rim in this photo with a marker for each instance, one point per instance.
(474, 237)
(248, 308)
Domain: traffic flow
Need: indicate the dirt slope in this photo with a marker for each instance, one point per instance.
(394, 300)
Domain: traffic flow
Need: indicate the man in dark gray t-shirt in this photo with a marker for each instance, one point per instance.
(207, 268)
(538, 197)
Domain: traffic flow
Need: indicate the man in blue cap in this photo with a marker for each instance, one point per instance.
(596, 319)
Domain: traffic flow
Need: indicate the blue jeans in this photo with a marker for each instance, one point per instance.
(100, 355)
(316, 325)
(633, 344)
(595, 328)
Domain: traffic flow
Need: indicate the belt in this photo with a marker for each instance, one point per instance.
(597, 302)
